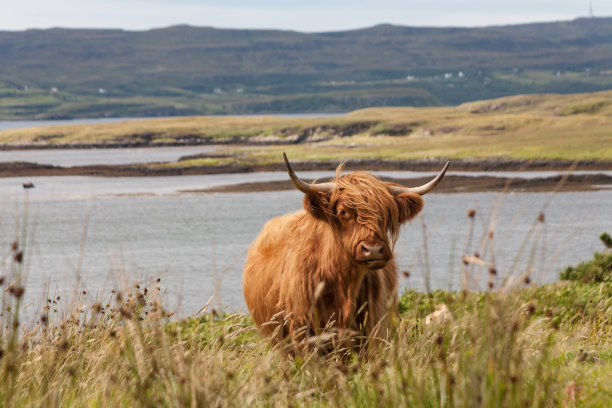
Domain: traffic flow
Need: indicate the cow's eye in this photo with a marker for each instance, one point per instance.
(342, 213)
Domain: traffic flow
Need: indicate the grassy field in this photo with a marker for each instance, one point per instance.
(41, 104)
(518, 345)
(565, 127)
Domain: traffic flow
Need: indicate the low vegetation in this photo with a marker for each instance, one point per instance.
(598, 269)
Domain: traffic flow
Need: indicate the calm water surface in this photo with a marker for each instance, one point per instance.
(88, 157)
(144, 227)
(24, 124)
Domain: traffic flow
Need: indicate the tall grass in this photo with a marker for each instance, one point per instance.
(514, 345)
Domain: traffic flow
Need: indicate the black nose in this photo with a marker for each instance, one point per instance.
(369, 252)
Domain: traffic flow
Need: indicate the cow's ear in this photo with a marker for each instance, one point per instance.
(317, 204)
(409, 205)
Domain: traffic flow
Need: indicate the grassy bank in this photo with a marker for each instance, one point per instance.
(519, 345)
(565, 127)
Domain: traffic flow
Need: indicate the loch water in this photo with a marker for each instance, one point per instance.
(145, 228)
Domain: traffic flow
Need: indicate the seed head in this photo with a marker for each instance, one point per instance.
(515, 326)
(531, 308)
(18, 257)
(471, 213)
(406, 274)
(555, 324)
(125, 313)
(541, 217)
(14, 246)
(17, 291)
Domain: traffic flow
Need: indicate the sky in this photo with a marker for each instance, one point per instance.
(305, 16)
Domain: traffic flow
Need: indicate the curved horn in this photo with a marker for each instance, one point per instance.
(421, 190)
(302, 185)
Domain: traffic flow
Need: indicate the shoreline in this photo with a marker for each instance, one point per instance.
(28, 169)
(452, 184)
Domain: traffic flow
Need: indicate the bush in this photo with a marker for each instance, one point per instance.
(606, 239)
(598, 269)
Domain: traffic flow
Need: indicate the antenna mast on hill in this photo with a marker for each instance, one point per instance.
(591, 8)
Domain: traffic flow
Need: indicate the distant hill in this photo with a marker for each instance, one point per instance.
(192, 70)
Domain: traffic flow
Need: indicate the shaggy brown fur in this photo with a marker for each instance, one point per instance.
(303, 271)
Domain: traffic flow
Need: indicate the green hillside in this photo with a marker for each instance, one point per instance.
(199, 70)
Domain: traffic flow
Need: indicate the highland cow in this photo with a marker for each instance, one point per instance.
(330, 267)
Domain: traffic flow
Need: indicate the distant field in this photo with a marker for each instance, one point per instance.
(568, 127)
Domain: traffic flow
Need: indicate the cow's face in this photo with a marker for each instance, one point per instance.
(364, 212)
(364, 215)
